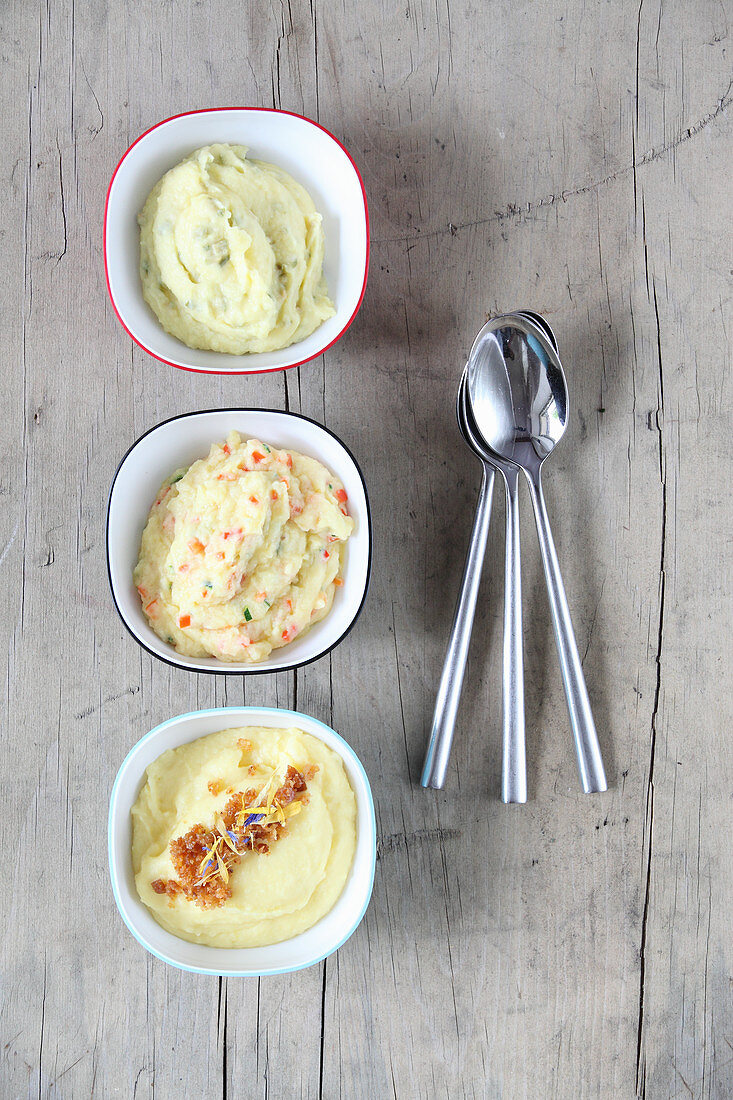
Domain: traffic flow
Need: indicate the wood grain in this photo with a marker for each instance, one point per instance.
(570, 158)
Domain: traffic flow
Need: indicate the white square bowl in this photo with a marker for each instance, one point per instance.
(313, 156)
(179, 442)
(311, 946)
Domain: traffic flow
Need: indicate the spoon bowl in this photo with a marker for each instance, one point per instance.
(517, 390)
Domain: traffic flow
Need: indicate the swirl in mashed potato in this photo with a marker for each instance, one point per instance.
(231, 254)
(242, 552)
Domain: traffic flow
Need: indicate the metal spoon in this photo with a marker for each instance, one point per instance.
(514, 756)
(518, 396)
(541, 323)
(454, 666)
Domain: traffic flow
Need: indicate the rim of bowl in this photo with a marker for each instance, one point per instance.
(112, 863)
(262, 370)
(253, 670)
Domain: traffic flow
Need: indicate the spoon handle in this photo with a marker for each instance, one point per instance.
(451, 680)
(514, 758)
(592, 774)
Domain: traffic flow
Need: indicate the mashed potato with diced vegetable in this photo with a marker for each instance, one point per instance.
(231, 254)
(242, 552)
(244, 837)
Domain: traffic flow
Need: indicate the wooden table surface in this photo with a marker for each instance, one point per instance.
(567, 157)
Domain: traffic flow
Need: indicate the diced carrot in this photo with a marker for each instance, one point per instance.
(143, 592)
(326, 554)
(341, 495)
(149, 609)
(260, 595)
(289, 461)
(220, 556)
(258, 456)
(226, 449)
(254, 500)
(289, 604)
(196, 546)
(274, 495)
(184, 620)
(338, 582)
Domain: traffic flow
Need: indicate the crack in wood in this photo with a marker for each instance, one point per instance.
(394, 842)
(521, 211)
(640, 1063)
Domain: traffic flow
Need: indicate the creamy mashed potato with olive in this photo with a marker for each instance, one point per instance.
(231, 254)
(242, 551)
(277, 879)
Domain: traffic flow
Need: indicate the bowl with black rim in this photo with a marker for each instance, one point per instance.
(180, 441)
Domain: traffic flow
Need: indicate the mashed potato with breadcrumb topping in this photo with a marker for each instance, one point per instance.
(268, 893)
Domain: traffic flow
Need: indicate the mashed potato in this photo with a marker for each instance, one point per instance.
(281, 873)
(231, 254)
(242, 552)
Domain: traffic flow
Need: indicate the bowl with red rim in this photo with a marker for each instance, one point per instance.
(179, 442)
(309, 947)
(312, 155)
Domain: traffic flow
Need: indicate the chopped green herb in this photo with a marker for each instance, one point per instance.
(267, 448)
(171, 640)
(247, 615)
(208, 584)
(267, 603)
(177, 477)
